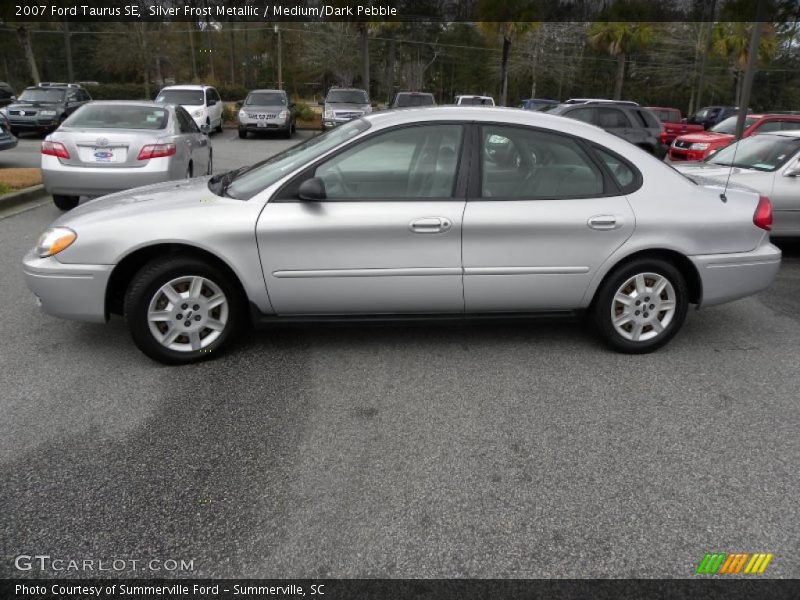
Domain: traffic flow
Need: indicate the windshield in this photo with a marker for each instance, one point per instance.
(187, 97)
(729, 125)
(705, 113)
(246, 183)
(414, 100)
(760, 152)
(42, 95)
(347, 97)
(265, 99)
(116, 116)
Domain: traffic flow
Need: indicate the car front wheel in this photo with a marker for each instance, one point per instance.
(641, 306)
(181, 310)
(66, 202)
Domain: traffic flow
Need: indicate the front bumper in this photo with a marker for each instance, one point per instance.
(727, 277)
(38, 125)
(68, 291)
(67, 180)
(264, 124)
(687, 154)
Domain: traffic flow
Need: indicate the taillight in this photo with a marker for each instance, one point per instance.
(763, 215)
(156, 151)
(55, 149)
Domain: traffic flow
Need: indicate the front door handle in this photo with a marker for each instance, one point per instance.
(603, 222)
(430, 225)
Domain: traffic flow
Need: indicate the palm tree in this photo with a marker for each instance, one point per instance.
(507, 29)
(732, 42)
(619, 39)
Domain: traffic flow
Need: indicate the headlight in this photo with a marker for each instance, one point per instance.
(47, 113)
(242, 114)
(54, 240)
(699, 147)
(198, 113)
(282, 114)
(328, 114)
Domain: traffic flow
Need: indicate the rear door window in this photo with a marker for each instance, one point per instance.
(587, 115)
(612, 118)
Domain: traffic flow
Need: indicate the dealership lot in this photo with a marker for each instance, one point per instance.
(510, 450)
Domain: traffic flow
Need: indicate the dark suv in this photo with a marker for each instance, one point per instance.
(633, 123)
(6, 94)
(42, 108)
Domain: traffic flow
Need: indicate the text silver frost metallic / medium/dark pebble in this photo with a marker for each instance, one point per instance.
(421, 213)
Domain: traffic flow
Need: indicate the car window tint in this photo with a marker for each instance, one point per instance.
(119, 116)
(414, 162)
(611, 118)
(790, 125)
(648, 118)
(520, 163)
(621, 172)
(767, 126)
(582, 114)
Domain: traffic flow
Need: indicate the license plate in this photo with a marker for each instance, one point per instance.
(261, 124)
(103, 155)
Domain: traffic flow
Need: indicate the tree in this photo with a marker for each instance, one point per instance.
(508, 30)
(619, 39)
(732, 42)
(24, 37)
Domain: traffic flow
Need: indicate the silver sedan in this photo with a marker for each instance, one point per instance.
(106, 147)
(412, 214)
(768, 163)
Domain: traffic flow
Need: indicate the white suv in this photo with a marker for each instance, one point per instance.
(201, 101)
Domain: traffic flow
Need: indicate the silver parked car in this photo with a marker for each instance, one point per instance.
(768, 163)
(106, 147)
(449, 211)
(266, 110)
(344, 104)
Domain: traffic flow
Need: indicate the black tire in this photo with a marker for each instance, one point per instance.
(242, 134)
(604, 304)
(146, 284)
(66, 202)
(288, 133)
(219, 127)
(210, 169)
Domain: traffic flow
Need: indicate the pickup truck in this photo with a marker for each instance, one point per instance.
(703, 119)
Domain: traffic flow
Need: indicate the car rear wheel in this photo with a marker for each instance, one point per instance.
(181, 310)
(641, 306)
(66, 202)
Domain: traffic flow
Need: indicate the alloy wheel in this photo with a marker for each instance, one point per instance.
(643, 307)
(188, 313)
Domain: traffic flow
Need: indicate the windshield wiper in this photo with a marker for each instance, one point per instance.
(222, 181)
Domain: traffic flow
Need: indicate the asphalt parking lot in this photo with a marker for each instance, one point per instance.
(502, 450)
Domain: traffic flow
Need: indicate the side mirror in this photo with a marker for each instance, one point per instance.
(211, 103)
(240, 103)
(204, 129)
(321, 102)
(312, 190)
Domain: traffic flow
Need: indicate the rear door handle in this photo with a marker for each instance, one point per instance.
(430, 225)
(603, 222)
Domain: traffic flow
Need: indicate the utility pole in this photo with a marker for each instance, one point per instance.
(68, 51)
(704, 55)
(750, 70)
(280, 62)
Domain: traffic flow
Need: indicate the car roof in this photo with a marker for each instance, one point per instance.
(149, 103)
(187, 86)
(264, 91)
(410, 93)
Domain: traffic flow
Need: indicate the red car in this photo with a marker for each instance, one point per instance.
(672, 123)
(700, 145)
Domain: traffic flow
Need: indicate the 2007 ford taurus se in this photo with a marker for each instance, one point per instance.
(419, 213)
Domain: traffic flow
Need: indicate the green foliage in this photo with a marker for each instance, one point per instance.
(4, 188)
(118, 91)
(229, 112)
(232, 93)
(304, 112)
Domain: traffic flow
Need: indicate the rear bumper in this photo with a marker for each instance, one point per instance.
(66, 180)
(65, 290)
(727, 277)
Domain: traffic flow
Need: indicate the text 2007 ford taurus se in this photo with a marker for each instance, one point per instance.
(414, 213)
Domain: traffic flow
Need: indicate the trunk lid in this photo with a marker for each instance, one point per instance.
(105, 148)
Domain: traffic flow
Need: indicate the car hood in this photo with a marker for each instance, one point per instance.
(346, 106)
(24, 105)
(146, 202)
(707, 137)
